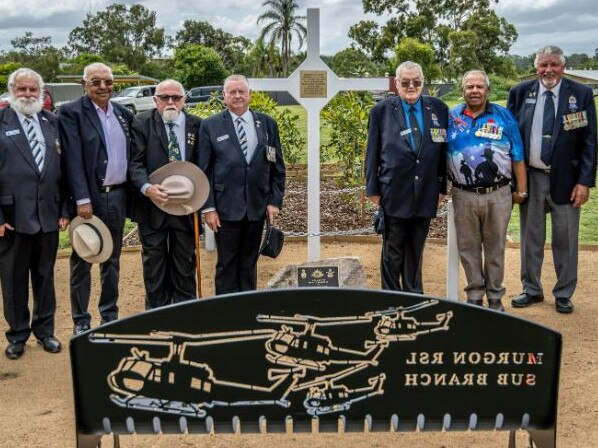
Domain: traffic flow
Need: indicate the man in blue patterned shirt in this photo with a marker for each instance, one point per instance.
(484, 150)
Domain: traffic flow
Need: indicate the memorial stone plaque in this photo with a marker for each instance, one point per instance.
(319, 276)
(313, 84)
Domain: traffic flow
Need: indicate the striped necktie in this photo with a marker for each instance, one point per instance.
(547, 128)
(174, 151)
(241, 135)
(36, 148)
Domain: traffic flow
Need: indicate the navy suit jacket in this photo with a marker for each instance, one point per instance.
(574, 151)
(236, 186)
(408, 181)
(84, 146)
(30, 201)
(150, 152)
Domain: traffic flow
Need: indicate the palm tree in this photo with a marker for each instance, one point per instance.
(282, 24)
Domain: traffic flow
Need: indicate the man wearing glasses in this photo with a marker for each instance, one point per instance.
(240, 152)
(95, 136)
(160, 136)
(405, 171)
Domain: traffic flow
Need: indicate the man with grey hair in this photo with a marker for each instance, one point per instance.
(161, 136)
(485, 137)
(95, 134)
(32, 211)
(557, 119)
(405, 169)
(240, 152)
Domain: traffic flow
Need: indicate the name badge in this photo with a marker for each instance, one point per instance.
(530, 101)
(575, 120)
(271, 154)
(438, 135)
(222, 137)
(13, 132)
(405, 132)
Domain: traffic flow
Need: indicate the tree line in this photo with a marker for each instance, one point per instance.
(447, 37)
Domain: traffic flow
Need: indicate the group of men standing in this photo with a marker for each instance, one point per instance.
(538, 152)
(94, 161)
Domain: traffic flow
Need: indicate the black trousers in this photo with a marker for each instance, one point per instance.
(22, 255)
(238, 245)
(402, 250)
(111, 209)
(168, 256)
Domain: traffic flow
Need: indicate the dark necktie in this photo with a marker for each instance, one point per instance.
(415, 133)
(36, 148)
(174, 151)
(242, 136)
(547, 128)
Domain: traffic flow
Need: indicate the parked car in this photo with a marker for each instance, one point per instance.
(136, 99)
(58, 93)
(201, 94)
(4, 100)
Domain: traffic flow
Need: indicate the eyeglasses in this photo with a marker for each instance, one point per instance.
(407, 82)
(98, 82)
(167, 98)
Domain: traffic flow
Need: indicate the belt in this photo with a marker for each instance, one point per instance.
(109, 188)
(483, 190)
(539, 170)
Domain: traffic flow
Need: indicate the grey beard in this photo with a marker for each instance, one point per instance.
(170, 115)
(25, 105)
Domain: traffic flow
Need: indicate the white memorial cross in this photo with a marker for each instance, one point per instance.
(313, 85)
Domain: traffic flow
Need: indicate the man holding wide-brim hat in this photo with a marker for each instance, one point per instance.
(170, 189)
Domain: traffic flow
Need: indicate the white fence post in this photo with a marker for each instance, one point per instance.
(452, 263)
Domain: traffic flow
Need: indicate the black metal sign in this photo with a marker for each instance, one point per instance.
(317, 276)
(396, 360)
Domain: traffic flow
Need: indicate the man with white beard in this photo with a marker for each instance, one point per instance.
(32, 211)
(161, 136)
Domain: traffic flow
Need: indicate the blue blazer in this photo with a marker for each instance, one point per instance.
(574, 151)
(30, 201)
(238, 187)
(84, 146)
(408, 181)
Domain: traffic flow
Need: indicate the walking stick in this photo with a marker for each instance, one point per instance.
(197, 257)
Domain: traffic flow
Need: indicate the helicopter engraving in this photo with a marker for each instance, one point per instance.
(300, 354)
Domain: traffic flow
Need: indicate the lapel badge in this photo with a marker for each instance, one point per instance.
(58, 147)
(572, 103)
(434, 119)
(190, 138)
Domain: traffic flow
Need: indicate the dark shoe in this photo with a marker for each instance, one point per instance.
(50, 344)
(564, 305)
(523, 300)
(495, 304)
(81, 328)
(15, 350)
(474, 302)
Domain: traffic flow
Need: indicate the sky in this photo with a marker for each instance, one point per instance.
(571, 24)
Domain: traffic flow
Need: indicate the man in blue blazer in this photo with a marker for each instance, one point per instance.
(405, 171)
(557, 121)
(95, 135)
(32, 211)
(239, 150)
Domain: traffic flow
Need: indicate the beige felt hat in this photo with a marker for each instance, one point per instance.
(186, 185)
(91, 239)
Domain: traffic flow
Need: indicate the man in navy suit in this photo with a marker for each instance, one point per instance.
(32, 211)
(557, 120)
(239, 150)
(405, 171)
(95, 134)
(168, 241)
